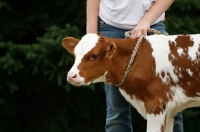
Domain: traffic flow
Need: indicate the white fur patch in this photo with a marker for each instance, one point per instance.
(194, 50)
(87, 42)
(155, 122)
(99, 79)
(180, 101)
(180, 51)
(139, 105)
(161, 50)
(189, 72)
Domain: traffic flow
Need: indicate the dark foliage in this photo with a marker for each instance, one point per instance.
(34, 94)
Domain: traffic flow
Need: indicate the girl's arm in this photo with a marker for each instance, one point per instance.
(92, 16)
(158, 8)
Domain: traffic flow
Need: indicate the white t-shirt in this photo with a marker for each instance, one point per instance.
(125, 14)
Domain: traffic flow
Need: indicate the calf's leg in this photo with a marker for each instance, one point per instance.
(169, 124)
(157, 122)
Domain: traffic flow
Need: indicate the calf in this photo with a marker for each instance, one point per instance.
(163, 80)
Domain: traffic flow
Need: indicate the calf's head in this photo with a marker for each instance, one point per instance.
(93, 55)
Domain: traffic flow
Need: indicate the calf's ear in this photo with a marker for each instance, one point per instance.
(110, 49)
(69, 43)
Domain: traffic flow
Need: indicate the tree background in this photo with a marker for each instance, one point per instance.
(34, 94)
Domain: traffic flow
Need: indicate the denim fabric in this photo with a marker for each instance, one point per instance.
(118, 118)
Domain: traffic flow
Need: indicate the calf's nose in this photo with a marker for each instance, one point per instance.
(71, 75)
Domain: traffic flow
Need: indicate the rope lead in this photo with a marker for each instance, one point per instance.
(152, 30)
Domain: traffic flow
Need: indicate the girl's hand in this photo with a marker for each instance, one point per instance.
(140, 29)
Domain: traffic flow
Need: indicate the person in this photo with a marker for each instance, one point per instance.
(112, 18)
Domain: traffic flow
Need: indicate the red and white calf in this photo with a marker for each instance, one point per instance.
(163, 80)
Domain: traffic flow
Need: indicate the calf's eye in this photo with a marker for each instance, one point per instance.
(94, 56)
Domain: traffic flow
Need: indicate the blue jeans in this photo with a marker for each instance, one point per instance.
(118, 118)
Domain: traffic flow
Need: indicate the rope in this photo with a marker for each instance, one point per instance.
(152, 30)
(128, 35)
(131, 60)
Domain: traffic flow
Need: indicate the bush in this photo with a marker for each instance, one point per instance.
(34, 92)
(34, 95)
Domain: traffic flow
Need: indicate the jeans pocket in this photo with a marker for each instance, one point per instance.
(160, 26)
(101, 23)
